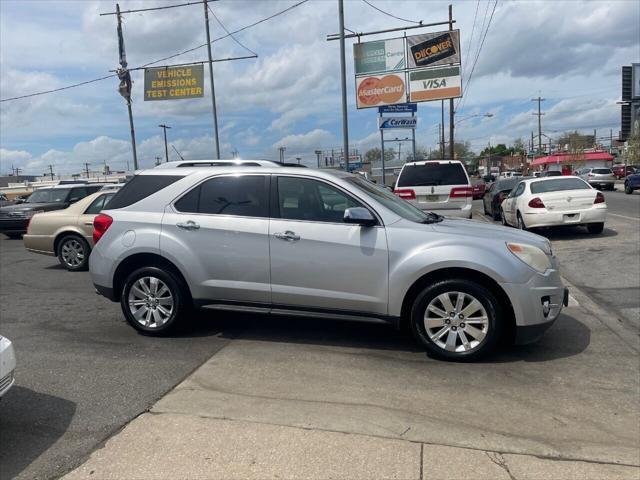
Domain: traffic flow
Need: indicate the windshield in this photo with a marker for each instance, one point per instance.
(54, 195)
(389, 200)
(557, 185)
(432, 174)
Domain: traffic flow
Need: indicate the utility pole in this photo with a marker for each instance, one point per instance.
(282, 150)
(442, 121)
(157, 161)
(539, 114)
(166, 150)
(451, 112)
(595, 138)
(18, 170)
(343, 83)
(611, 141)
(125, 84)
(213, 89)
(399, 150)
(86, 168)
(51, 171)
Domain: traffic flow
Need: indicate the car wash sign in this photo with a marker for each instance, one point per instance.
(174, 83)
(397, 122)
(435, 83)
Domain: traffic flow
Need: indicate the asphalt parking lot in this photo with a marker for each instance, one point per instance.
(83, 373)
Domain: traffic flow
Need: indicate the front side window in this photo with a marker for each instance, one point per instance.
(53, 195)
(311, 200)
(243, 196)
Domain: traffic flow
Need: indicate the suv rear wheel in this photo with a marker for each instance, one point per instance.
(153, 301)
(457, 319)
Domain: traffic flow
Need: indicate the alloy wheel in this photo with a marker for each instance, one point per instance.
(150, 302)
(456, 322)
(72, 252)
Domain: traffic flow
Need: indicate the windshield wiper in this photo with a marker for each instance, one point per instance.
(432, 218)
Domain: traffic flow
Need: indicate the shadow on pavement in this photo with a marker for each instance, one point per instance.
(566, 338)
(573, 233)
(25, 438)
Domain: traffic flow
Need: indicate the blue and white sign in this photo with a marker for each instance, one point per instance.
(399, 108)
(398, 122)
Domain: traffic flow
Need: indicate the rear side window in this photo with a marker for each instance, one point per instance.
(602, 171)
(98, 204)
(139, 187)
(244, 196)
(433, 174)
(559, 184)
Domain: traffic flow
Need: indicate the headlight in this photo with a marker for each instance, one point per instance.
(532, 256)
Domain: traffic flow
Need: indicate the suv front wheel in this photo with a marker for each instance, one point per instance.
(457, 319)
(153, 301)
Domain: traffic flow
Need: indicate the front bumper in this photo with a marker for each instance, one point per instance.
(39, 244)
(532, 333)
(13, 225)
(7, 365)
(464, 212)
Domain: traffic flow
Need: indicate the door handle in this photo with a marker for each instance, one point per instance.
(89, 223)
(190, 225)
(287, 236)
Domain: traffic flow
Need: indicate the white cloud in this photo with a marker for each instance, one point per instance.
(306, 142)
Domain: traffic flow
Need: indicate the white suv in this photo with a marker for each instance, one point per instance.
(440, 186)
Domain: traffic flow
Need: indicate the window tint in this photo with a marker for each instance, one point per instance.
(392, 202)
(139, 187)
(189, 202)
(244, 196)
(78, 194)
(311, 200)
(98, 204)
(602, 171)
(433, 173)
(559, 184)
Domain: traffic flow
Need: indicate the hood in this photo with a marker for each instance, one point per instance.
(487, 231)
(26, 207)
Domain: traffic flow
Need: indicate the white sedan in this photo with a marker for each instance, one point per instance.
(7, 365)
(551, 201)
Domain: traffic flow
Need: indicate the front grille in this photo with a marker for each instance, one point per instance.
(6, 381)
(12, 216)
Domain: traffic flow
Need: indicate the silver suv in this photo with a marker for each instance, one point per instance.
(313, 243)
(601, 178)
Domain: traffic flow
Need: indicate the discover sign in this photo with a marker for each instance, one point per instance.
(431, 49)
(174, 83)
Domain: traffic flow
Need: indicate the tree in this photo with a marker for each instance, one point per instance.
(421, 154)
(462, 150)
(500, 150)
(518, 146)
(632, 148)
(576, 142)
(374, 155)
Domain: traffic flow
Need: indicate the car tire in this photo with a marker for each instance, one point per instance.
(494, 215)
(432, 319)
(484, 208)
(520, 222)
(628, 190)
(73, 253)
(595, 227)
(154, 301)
(13, 236)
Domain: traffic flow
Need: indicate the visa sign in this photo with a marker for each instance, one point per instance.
(398, 122)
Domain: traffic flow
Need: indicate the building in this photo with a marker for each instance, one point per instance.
(568, 163)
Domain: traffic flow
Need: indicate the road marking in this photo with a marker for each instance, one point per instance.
(623, 216)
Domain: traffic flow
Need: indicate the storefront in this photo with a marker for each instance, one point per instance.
(568, 163)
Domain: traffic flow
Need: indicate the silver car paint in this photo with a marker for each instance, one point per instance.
(335, 272)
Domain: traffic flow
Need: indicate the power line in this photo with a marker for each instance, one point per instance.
(475, 16)
(58, 89)
(391, 15)
(229, 33)
(152, 8)
(467, 86)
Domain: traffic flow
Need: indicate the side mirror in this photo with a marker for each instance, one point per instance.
(359, 216)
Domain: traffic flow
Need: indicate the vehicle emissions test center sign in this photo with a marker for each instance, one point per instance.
(174, 83)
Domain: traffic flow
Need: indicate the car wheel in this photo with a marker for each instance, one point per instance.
(13, 236)
(484, 208)
(494, 215)
(73, 253)
(595, 227)
(628, 190)
(153, 301)
(520, 221)
(457, 319)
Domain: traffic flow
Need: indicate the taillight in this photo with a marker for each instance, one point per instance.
(405, 193)
(536, 203)
(599, 198)
(460, 192)
(101, 224)
(591, 175)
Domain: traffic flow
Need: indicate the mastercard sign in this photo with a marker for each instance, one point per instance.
(377, 90)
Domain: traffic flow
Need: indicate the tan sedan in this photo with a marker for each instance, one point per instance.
(67, 234)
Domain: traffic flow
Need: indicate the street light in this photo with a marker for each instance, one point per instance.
(477, 115)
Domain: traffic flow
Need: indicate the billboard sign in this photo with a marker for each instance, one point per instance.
(379, 56)
(435, 84)
(398, 122)
(400, 108)
(431, 49)
(174, 83)
(377, 90)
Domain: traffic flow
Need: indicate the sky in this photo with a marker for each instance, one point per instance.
(568, 52)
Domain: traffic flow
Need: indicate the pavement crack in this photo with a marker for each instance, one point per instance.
(499, 460)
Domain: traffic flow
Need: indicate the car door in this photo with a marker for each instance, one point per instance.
(218, 232)
(317, 260)
(511, 206)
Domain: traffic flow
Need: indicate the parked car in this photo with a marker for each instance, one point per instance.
(439, 186)
(4, 200)
(322, 244)
(496, 194)
(479, 187)
(14, 218)
(554, 201)
(551, 173)
(631, 183)
(7, 365)
(598, 177)
(219, 163)
(621, 171)
(67, 234)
